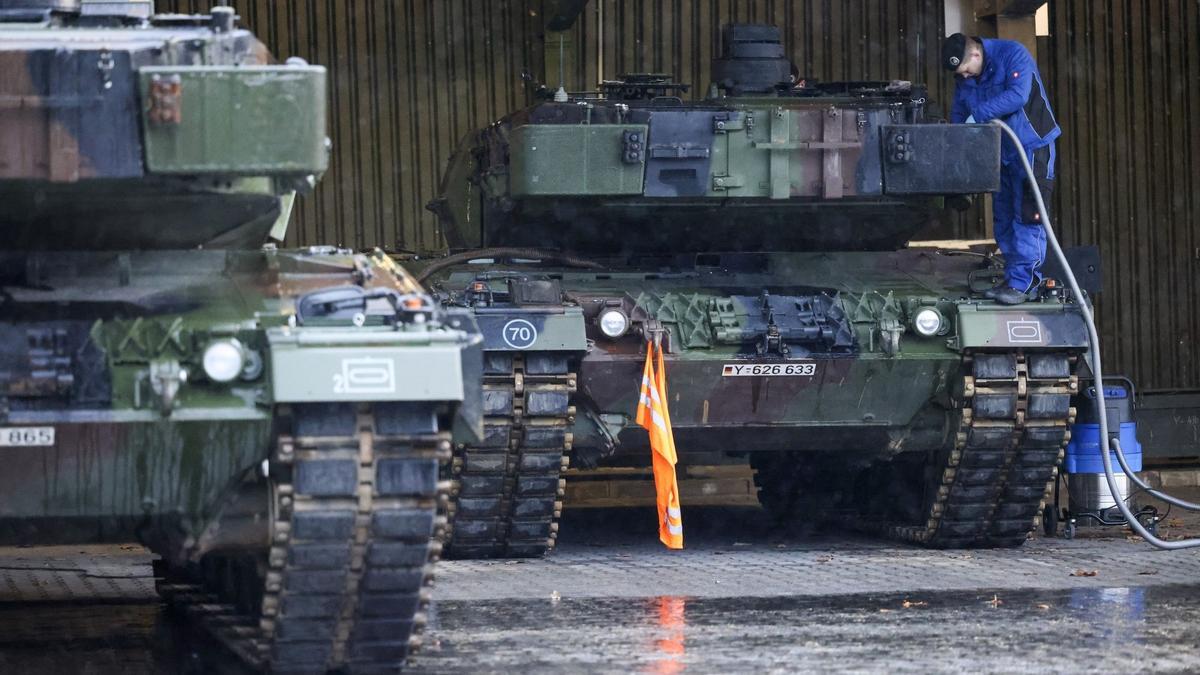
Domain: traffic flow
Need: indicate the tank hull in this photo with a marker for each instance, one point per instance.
(119, 426)
(125, 481)
(847, 383)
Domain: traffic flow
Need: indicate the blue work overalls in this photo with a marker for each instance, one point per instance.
(1010, 88)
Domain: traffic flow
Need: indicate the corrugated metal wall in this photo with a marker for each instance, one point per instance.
(410, 77)
(1123, 80)
(407, 79)
(830, 39)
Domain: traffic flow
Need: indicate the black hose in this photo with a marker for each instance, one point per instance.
(1094, 356)
(510, 253)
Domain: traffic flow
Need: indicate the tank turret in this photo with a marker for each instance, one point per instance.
(758, 164)
(134, 9)
(136, 131)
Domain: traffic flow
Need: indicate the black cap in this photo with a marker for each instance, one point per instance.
(954, 49)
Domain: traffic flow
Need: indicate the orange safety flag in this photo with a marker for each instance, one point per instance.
(652, 414)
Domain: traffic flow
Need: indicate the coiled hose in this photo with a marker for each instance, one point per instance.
(1097, 375)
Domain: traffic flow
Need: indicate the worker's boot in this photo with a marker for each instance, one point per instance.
(990, 293)
(1011, 296)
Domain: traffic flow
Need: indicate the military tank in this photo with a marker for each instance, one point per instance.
(269, 422)
(761, 233)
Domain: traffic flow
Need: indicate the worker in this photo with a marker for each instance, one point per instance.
(998, 79)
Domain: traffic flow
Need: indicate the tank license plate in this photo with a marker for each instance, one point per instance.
(26, 436)
(805, 369)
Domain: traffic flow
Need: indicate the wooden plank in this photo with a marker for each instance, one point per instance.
(607, 487)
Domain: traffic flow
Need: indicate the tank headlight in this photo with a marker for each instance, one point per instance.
(927, 322)
(224, 360)
(613, 323)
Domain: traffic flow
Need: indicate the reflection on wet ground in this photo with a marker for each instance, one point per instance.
(1109, 629)
(103, 639)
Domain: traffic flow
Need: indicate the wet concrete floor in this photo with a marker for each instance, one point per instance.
(743, 597)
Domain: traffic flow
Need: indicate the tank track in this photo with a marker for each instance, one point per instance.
(355, 524)
(989, 489)
(506, 491)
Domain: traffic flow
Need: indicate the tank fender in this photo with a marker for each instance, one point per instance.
(542, 329)
(1055, 327)
(310, 365)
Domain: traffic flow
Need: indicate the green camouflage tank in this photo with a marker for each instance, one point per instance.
(761, 234)
(270, 423)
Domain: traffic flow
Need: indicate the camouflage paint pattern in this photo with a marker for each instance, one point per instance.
(142, 434)
(606, 175)
(127, 120)
(879, 384)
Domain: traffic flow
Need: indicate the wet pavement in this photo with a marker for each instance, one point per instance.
(743, 597)
(1077, 630)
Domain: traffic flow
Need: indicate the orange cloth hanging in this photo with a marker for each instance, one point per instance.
(652, 413)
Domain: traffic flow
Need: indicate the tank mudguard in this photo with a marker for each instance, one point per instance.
(310, 365)
(519, 329)
(1026, 327)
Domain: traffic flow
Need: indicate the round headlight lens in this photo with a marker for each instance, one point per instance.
(223, 360)
(928, 322)
(613, 323)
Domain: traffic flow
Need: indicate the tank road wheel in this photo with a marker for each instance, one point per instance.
(989, 487)
(506, 494)
(355, 529)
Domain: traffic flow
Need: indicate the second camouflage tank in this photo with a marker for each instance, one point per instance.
(760, 233)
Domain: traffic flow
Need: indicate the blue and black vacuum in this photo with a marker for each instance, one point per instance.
(1090, 502)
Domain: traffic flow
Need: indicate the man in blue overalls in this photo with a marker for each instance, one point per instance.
(998, 79)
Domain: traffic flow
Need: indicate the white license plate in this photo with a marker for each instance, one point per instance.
(804, 369)
(26, 436)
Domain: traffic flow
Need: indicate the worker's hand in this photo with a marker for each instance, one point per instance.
(970, 119)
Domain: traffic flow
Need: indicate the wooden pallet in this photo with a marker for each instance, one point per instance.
(721, 485)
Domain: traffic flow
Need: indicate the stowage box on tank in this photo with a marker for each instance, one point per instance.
(761, 234)
(270, 423)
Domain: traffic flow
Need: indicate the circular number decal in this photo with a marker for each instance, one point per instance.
(519, 334)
